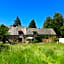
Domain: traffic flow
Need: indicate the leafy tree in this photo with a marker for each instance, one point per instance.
(56, 23)
(48, 22)
(17, 22)
(32, 24)
(4, 33)
(62, 31)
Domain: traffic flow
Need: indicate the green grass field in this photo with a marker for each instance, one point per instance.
(40, 53)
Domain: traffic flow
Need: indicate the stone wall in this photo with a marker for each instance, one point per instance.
(47, 40)
(15, 38)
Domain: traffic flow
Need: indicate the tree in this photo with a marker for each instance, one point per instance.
(58, 19)
(4, 33)
(48, 22)
(56, 23)
(17, 22)
(32, 24)
(62, 31)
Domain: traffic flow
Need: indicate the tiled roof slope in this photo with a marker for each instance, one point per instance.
(14, 30)
(43, 31)
(29, 31)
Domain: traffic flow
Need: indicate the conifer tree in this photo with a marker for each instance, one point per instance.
(17, 22)
(32, 24)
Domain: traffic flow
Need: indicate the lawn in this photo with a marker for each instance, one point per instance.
(39, 53)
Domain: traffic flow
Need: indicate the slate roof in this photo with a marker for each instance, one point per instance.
(43, 31)
(29, 31)
(15, 30)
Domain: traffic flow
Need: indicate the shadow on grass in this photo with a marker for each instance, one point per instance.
(4, 47)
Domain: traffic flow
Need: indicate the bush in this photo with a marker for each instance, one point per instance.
(56, 39)
(38, 38)
(35, 41)
(29, 40)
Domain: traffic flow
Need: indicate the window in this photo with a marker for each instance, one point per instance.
(20, 39)
(20, 32)
(34, 32)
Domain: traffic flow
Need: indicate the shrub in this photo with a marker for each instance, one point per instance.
(35, 41)
(29, 40)
(56, 39)
(38, 38)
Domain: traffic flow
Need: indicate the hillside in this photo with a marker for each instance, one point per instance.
(42, 53)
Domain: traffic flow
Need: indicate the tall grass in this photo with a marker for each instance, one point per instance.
(42, 53)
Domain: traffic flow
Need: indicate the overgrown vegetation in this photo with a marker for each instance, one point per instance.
(46, 53)
(57, 23)
(56, 39)
(4, 33)
(39, 38)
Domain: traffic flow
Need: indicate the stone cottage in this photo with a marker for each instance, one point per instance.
(21, 33)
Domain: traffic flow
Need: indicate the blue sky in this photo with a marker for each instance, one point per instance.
(28, 10)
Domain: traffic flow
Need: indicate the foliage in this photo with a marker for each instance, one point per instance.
(56, 23)
(17, 22)
(38, 38)
(32, 24)
(28, 39)
(42, 53)
(4, 47)
(3, 33)
(56, 39)
(62, 31)
(35, 41)
(48, 22)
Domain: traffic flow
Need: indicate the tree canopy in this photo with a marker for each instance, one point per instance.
(62, 31)
(32, 24)
(4, 33)
(56, 23)
(48, 22)
(17, 22)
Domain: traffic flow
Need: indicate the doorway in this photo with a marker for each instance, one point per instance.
(20, 39)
